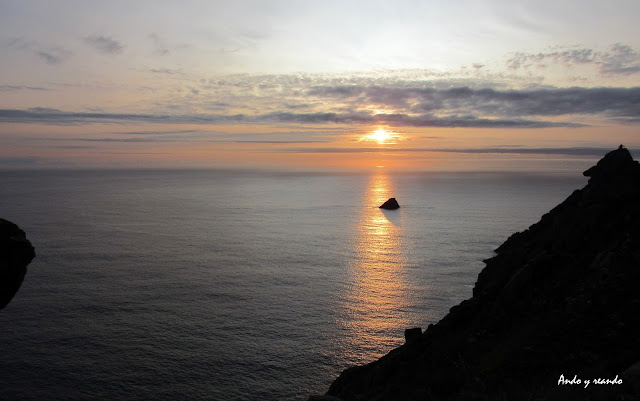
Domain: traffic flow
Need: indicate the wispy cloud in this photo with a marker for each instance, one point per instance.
(405, 120)
(49, 54)
(619, 59)
(502, 103)
(104, 44)
(177, 139)
(53, 55)
(278, 141)
(170, 132)
(160, 46)
(194, 136)
(72, 147)
(520, 60)
(311, 100)
(125, 140)
(168, 71)
(400, 120)
(18, 162)
(478, 91)
(540, 151)
(11, 88)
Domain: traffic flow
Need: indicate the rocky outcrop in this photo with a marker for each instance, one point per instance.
(16, 252)
(391, 204)
(557, 306)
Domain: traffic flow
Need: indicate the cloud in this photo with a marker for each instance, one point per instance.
(72, 147)
(568, 57)
(182, 139)
(540, 151)
(338, 91)
(104, 44)
(18, 162)
(11, 88)
(277, 141)
(171, 132)
(52, 56)
(159, 44)
(292, 137)
(620, 59)
(49, 54)
(53, 116)
(168, 71)
(616, 102)
(400, 120)
(126, 140)
(398, 104)
(44, 110)
(542, 102)
(405, 120)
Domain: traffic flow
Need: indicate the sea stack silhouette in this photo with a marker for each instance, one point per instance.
(391, 204)
(16, 252)
(555, 314)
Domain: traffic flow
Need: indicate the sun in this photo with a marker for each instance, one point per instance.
(381, 136)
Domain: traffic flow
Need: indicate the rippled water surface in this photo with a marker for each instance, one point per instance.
(231, 285)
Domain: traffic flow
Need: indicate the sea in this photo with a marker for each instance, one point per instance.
(239, 284)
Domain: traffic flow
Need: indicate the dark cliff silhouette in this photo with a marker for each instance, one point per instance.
(16, 252)
(560, 298)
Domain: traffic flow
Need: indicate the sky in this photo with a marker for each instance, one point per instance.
(418, 85)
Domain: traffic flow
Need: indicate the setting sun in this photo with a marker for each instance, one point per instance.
(381, 136)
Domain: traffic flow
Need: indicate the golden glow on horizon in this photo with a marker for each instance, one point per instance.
(102, 145)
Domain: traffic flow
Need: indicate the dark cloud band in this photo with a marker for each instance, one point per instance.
(398, 120)
(503, 103)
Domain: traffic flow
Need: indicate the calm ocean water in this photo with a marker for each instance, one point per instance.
(231, 285)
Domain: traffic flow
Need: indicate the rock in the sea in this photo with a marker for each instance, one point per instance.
(559, 300)
(16, 252)
(390, 204)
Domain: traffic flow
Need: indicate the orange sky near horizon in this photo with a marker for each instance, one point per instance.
(304, 85)
(336, 147)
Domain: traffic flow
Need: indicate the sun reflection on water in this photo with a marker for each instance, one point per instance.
(375, 300)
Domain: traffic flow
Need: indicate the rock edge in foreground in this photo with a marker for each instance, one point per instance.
(16, 252)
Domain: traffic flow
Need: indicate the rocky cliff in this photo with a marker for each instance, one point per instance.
(556, 309)
(16, 252)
